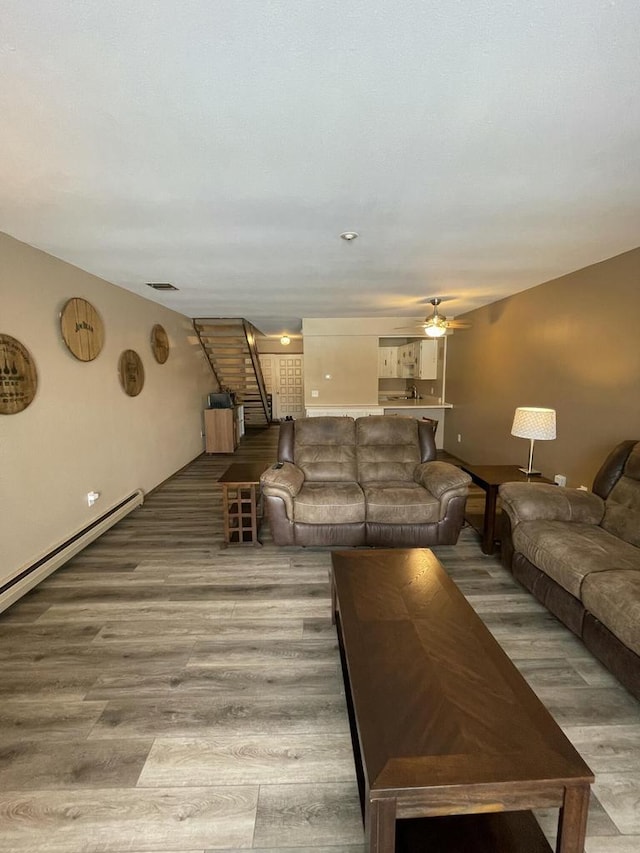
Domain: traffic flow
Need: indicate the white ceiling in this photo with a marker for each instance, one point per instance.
(479, 147)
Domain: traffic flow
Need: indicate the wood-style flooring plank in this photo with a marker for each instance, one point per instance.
(202, 682)
(50, 719)
(256, 759)
(106, 820)
(308, 815)
(32, 765)
(188, 630)
(209, 715)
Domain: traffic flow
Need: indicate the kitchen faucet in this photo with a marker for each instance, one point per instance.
(414, 392)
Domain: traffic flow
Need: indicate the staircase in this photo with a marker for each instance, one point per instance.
(230, 346)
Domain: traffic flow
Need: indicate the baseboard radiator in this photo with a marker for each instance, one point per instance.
(29, 577)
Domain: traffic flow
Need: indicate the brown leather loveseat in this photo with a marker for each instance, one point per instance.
(579, 553)
(369, 481)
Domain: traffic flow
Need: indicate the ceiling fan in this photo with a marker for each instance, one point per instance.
(436, 325)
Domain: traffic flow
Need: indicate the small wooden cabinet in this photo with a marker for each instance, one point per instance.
(221, 433)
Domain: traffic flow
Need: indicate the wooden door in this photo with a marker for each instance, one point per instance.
(283, 378)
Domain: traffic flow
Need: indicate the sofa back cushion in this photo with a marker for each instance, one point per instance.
(622, 510)
(387, 448)
(325, 450)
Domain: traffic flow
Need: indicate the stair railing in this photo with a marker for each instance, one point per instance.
(255, 360)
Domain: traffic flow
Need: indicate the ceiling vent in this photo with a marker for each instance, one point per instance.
(161, 285)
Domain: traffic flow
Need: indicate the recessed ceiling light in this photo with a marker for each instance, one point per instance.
(161, 285)
(349, 235)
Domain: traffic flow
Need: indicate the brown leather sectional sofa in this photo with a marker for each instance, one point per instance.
(370, 481)
(579, 554)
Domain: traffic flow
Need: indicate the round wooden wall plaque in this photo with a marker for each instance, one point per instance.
(131, 372)
(18, 377)
(82, 329)
(159, 344)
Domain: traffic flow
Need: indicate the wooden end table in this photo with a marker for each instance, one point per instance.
(241, 502)
(490, 478)
(444, 727)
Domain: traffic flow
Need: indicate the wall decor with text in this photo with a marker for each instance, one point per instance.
(159, 343)
(131, 372)
(18, 376)
(82, 329)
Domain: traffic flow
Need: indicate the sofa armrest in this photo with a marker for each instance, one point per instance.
(442, 479)
(284, 482)
(544, 502)
(288, 478)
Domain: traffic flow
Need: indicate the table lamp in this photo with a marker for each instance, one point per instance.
(533, 422)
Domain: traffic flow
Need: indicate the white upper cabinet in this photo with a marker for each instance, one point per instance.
(428, 359)
(388, 362)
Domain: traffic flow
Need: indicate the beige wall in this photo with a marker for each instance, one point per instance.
(346, 348)
(572, 344)
(81, 432)
(350, 362)
(272, 346)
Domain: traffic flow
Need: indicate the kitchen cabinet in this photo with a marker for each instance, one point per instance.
(387, 362)
(409, 355)
(428, 364)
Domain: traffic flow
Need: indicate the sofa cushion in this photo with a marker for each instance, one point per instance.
(400, 503)
(614, 599)
(568, 551)
(622, 512)
(329, 503)
(387, 448)
(325, 449)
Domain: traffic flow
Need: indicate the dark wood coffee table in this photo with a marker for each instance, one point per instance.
(490, 478)
(443, 723)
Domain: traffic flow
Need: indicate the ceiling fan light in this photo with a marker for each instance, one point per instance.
(285, 340)
(434, 331)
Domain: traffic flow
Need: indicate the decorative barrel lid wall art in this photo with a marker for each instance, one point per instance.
(18, 376)
(82, 329)
(131, 372)
(159, 344)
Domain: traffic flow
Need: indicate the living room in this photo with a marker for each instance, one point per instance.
(162, 693)
(543, 346)
(82, 433)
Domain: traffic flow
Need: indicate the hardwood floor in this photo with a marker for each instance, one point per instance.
(163, 694)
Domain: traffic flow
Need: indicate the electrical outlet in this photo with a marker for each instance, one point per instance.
(459, 438)
(92, 497)
(560, 480)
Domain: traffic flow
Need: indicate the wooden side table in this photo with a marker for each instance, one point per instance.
(490, 478)
(241, 502)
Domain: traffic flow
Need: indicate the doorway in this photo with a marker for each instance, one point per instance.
(283, 378)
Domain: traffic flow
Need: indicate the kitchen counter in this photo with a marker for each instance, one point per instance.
(428, 407)
(424, 403)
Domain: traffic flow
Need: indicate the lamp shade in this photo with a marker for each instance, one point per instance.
(534, 422)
